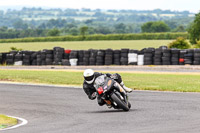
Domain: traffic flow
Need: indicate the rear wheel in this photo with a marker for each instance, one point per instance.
(121, 104)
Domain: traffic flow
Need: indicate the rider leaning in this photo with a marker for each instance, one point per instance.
(88, 84)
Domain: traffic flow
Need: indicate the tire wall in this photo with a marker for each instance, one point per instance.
(66, 57)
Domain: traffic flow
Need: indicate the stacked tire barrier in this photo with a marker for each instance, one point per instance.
(1, 58)
(34, 58)
(49, 57)
(148, 56)
(124, 56)
(175, 56)
(196, 57)
(27, 58)
(58, 55)
(117, 56)
(92, 57)
(188, 57)
(100, 57)
(86, 56)
(158, 57)
(108, 57)
(73, 58)
(166, 57)
(181, 57)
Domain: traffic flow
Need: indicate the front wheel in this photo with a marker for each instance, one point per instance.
(119, 102)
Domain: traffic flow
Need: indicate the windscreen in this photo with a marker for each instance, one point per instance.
(100, 81)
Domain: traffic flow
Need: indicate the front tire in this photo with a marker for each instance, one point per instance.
(119, 102)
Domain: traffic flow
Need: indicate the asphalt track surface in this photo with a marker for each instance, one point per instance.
(68, 110)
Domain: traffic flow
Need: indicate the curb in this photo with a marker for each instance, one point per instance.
(34, 84)
(24, 122)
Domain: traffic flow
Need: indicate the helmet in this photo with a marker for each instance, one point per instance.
(89, 76)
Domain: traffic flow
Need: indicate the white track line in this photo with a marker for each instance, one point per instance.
(24, 122)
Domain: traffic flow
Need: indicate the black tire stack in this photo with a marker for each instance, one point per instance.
(49, 57)
(148, 56)
(157, 59)
(58, 55)
(175, 56)
(80, 57)
(1, 58)
(18, 57)
(66, 55)
(38, 58)
(181, 57)
(65, 60)
(34, 59)
(100, 57)
(43, 57)
(196, 57)
(10, 57)
(117, 57)
(86, 56)
(27, 57)
(73, 55)
(92, 59)
(166, 57)
(108, 57)
(124, 56)
(188, 57)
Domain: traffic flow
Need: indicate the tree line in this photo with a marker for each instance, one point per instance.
(38, 22)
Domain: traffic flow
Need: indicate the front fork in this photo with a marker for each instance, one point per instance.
(122, 91)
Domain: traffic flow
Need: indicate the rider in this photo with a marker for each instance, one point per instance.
(88, 84)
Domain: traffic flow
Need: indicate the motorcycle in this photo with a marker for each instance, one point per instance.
(112, 93)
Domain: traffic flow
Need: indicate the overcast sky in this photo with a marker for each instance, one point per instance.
(175, 5)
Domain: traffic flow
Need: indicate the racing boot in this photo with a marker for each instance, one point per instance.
(109, 106)
(129, 90)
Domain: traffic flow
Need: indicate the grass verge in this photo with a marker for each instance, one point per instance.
(6, 121)
(81, 45)
(139, 81)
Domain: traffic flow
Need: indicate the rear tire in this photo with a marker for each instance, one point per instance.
(119, 102)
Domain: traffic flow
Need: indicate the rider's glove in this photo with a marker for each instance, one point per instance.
(93, 96)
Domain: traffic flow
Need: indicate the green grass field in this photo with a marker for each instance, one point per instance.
(7, 121)
(77, 45)
(139, 81)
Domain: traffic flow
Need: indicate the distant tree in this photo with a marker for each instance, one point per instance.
(20, 25)
(194, 30)
(73, 31)
(158, 26)
(89, 21)
(120, 28)
(83, 30)
(103, 30)
(53, 32)
(3, 29)
(180, 28)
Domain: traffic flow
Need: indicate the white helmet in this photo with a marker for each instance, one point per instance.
(89, 76)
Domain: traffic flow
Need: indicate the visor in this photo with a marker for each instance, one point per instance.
(90, 78)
